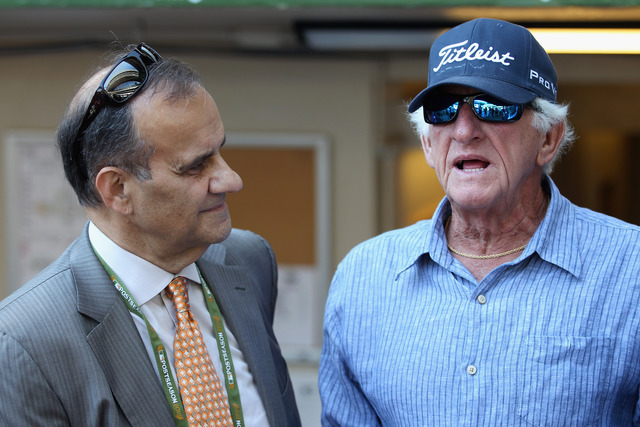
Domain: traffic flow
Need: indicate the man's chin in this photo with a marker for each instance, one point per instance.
(222, 231)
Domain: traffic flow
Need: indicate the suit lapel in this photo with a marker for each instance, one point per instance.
(239, 304)
(116, 342)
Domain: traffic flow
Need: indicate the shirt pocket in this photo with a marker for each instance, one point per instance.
(563, 381)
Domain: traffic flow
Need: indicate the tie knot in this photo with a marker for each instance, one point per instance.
(177, 292)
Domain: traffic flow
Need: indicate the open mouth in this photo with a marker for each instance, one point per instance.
(473, 165)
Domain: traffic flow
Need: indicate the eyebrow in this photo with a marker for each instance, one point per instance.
(200, 159)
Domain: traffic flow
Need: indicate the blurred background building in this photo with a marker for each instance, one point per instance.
(313, 96)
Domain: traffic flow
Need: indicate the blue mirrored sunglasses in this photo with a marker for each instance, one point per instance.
(444, 108)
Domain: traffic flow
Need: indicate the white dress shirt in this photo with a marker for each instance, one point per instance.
(146, 283)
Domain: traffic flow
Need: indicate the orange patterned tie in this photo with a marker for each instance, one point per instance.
(202, 396)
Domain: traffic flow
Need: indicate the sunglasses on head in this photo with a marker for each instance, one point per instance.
(127, 77)
(444, 108)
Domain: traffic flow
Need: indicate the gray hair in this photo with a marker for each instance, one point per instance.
(546, 114)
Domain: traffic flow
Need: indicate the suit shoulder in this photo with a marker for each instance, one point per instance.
(55, 277)
(244, 249)
(43, 312)
(244, 238)
(242, 245)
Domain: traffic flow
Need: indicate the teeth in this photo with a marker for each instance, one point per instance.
(461, 165)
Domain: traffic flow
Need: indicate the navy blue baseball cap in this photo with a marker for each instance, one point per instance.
(495, 57)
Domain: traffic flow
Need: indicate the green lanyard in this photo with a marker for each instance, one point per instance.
(171, 391)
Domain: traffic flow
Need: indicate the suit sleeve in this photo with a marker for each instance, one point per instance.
(26, 399)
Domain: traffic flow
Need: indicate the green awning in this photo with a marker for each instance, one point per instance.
(283, 4)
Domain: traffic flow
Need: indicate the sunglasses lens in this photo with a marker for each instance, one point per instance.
(491, 109)
(441, 108)
(121, 83)
(125, 80)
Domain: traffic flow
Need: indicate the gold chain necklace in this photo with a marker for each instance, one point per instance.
(501, 254)
(472, 256)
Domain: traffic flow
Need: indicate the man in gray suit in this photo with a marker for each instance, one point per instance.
(90, 340)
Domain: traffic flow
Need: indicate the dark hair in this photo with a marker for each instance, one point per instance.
(112, 138)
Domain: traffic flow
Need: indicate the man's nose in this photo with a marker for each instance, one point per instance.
(225, 179)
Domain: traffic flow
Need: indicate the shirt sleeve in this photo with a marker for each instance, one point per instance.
(344, 403)
(636, 415)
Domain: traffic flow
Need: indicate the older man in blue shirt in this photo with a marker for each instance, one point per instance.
(511, 306)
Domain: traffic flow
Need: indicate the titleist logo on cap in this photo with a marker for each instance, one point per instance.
(456, 52)
(451, 54)
(490, 56)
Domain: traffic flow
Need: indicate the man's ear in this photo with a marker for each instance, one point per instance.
(111, 185)
(551, 144)
(427, 149)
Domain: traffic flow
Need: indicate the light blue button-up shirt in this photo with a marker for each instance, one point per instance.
(551, 338)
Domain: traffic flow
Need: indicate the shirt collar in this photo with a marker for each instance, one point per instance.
(427, 237)
(143, 279)
(555, 240)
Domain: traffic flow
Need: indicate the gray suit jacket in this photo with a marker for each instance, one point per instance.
(70, 353)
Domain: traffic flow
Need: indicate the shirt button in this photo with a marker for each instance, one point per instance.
(471, 370)
(481, 299)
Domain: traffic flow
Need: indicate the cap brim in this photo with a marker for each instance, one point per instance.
(500, 89)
